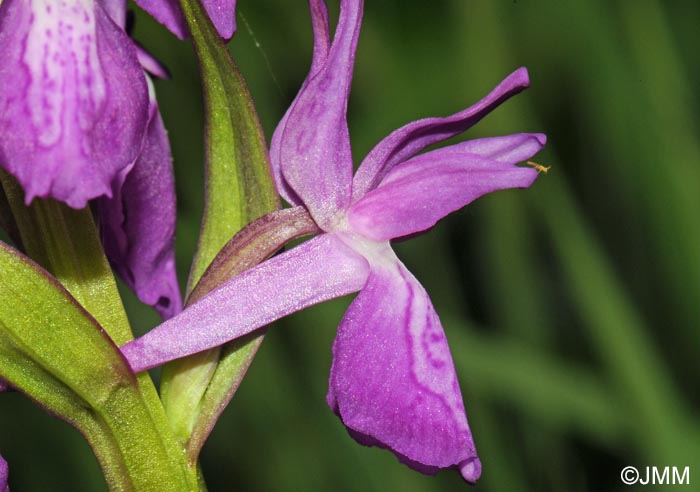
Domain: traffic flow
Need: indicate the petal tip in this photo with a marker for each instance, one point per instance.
(470, 469)
(522, 76)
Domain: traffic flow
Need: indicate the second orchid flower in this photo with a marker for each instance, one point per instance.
(392, 382)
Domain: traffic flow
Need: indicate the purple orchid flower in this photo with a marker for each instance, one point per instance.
(392, 381)
(77, 123)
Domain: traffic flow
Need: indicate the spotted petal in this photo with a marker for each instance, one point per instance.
(138, 223)
(74, 102)
(221, 12)
(417, 193)
(317, 270)
(393, 382)
(407, 141)
(314, 149)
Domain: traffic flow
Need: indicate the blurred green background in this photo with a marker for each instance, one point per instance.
(572, 308)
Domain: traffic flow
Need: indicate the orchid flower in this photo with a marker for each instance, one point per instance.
(392, 380)
(77, 123)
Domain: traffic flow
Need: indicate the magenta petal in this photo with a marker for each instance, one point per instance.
(314, 149)
(421, 191)
(322, 43)
(116, 10)
(393, 382)
(317, 270)
(221, 12)
(410, 139)
(168, 13)
(509, 149)
(223, 15)
(74, 102)
(138, 224)
(4, 474)
(151, 64)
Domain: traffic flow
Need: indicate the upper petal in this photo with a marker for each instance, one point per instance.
(317, 270)
(221, 12)
(393, 382)
(410, 139)
(314, 148)
(138, 223)
(74, 102)
(416, 194)
(322, 43)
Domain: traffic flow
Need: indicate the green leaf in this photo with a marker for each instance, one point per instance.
(55, 352)
(65, 242)
(239, 189)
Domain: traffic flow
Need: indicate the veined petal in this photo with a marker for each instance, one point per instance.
(74, 102)
(417, 193)
(407, 141)
(138, 223)
(317, 270)
(393, 382)
(322, 43)
(221, 12)
(314, 149)
(4, 472)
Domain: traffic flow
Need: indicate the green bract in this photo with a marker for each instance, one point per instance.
(239, 189)
(55, 352)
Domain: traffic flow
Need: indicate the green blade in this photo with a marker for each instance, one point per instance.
(239, 185)
(239, 189)
(55, 352)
